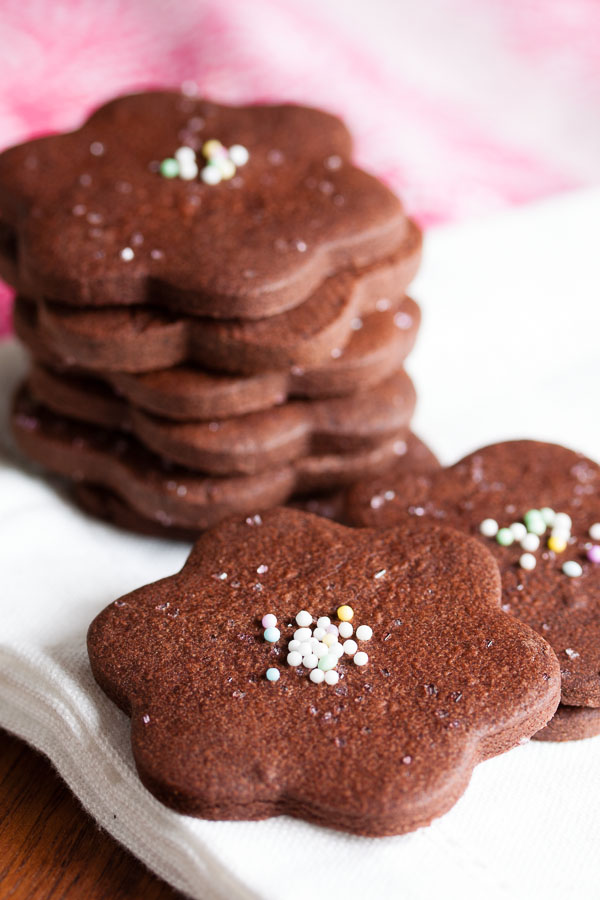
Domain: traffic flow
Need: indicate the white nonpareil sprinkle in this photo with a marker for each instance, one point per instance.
(530, 542)
(345, 629)
(306, 648)
(319, 633)
(185, 155)
(294, 658)
(594, 531)
(361, 658)
(364, 633)
(317, 676)
(528, 561)
(572, 654)
(518, 530)
(337, 650)
(238, 155)
(127, 254)
(210, 175)
(572, 569)
(350, 647)
(304, 619)
(262, 569)
(323, 622)
(562, 521)
(294, 645)
(310, 661)
(548, 515)
(331, 677)
(303, 634)
(489, 528)
(321, 650)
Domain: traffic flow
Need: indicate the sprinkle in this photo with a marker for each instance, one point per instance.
(350, 647)
(301, 247)
(188, 171)
(238, 155)
(364, 632)
(563, 521)
(489, 528)
(310, 661)
(262, 569)
(557, 544)
(169, 168)
(294, 658)
(185, 155)
(345, 613)
(379, 574)
(338, 650)
(323, 622)
(210, 175)
(332, 629)
(96, 148)
(331, 677)
(530, 542)
(593, 554)
(518, 531)
(273, 674)
(269, 621)
(548, 515)
(345, 629)
(306, 647)
(79, 209)
(156, 254)
(294, 644)
(317, 676)
(383, 304)
(528, 561)
(329, 640)
(272, 634)
(594, 531)
(572, 654)
(505, 537)
(127, 254)
(321, 650)
(303, 634)
(319, 633)
(572, 569)
(225, 167)
(333, 163)
(361, 658)
(304, 618)
(327, 662)
(212, 148)
(534, 521)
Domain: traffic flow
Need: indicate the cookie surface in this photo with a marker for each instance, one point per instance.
(185, 391)
(571, 723)
(109, 228)
(243, 444)
(503, 482)
(449, 680)
(171, 494)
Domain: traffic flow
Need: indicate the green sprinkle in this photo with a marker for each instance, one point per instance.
(169, 168)
(505, 537)
(534, 521)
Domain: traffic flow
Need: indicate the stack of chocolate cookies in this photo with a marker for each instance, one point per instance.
(214, 299)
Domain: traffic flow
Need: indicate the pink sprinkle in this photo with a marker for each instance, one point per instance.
(269, 621)
(593, 554)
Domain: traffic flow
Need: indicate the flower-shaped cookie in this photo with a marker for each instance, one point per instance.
(537, 507)
(98, 220)
(444, 680)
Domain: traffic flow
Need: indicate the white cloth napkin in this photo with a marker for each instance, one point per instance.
(510, 347)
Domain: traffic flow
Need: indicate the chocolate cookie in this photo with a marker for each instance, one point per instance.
(412, 454)
(244, 444)
(144, 339)
(233, 717)
(515, 496)
(571, 723)
(105, 215)
(171, 494)
(374, 352)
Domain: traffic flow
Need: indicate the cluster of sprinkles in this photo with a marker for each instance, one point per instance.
(319, 648)
(529, 532)
(221, 162)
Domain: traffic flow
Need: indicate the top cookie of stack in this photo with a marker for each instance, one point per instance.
(205, 262)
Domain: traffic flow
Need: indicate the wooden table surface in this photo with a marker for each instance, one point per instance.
(50, 849)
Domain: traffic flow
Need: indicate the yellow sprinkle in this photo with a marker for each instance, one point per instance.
(557, 544)
(211, 147)
(329, 639)
(345, 613)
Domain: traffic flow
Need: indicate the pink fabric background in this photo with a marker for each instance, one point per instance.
(465, 107)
